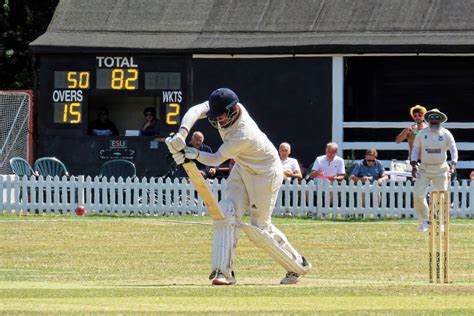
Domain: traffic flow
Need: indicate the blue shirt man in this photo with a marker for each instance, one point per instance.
(197, 141)
(369, 169)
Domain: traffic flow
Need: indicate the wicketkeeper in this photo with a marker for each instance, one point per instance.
(253, 185)
(431, 145)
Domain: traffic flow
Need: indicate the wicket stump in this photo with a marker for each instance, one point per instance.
(439, 237)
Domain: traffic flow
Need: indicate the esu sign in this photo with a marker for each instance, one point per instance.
(118, 143)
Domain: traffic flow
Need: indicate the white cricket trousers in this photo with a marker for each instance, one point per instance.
(437, 176)
(244, 191)
(256, 193)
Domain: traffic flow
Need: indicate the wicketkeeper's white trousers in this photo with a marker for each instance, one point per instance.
(437, 176)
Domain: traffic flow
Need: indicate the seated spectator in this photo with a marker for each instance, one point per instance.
(369, 169)
(197, 141)
(102, 126)
(151, 126)
(471, 175)
(329, 166)
(291, 167)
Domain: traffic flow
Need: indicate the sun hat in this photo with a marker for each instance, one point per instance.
(436, 114)
(417, 107)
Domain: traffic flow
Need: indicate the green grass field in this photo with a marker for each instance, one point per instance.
(58, 265)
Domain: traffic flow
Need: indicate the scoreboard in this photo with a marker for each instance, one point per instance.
(72, 88)
(69, 82)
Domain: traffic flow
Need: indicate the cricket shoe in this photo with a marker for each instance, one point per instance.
(424, 226)
(218, 278)
(293, 277)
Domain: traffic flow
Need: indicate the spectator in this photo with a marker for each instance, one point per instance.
(197, 141)
(369, 169)
(151, 126)
(291, 167)
(417, 113)
(471, 175)
(102, 126)
(223, 170)
(329, 166)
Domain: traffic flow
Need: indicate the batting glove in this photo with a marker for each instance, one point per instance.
(177, 142)
(179, 157)
(188, 153)
(191, 153)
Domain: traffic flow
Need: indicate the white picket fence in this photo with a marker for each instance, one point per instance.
(166, 197)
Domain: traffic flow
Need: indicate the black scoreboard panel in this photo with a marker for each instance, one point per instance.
(73, 89)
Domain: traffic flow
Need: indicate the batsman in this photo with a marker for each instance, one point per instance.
(252, 185)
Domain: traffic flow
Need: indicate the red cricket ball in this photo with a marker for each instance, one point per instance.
(80, 210)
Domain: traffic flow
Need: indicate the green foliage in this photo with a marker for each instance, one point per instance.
(21, 22)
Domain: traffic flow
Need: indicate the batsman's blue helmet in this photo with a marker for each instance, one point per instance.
(221, 101)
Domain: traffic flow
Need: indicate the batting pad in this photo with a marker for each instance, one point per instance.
(275, 244)
(223, 246)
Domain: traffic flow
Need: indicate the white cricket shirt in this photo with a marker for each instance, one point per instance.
(243, 141)
(434, 145)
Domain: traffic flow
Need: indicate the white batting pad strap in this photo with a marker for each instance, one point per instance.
(223, 245)
(275, 244)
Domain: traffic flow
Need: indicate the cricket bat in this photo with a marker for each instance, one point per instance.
(203, 189)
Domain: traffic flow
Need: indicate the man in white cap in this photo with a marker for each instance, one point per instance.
(430, 147)
(409, 133)
(253, 185)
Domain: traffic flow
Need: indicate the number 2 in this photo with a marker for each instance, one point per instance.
(132, 79)
(172, 113)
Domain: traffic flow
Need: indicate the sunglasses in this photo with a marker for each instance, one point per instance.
(417, 115)
(435, 117)
(148, 114)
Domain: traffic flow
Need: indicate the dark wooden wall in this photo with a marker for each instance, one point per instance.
(289, 98)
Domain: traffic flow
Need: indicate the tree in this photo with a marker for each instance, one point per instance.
(21, 22)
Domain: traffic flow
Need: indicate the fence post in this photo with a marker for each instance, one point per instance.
(8, 191)
(343, 198)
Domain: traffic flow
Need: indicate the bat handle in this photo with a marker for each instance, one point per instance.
(186, 160)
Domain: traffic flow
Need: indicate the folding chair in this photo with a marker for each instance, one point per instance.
(118, 168)
(50, 166)
(21, 167)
